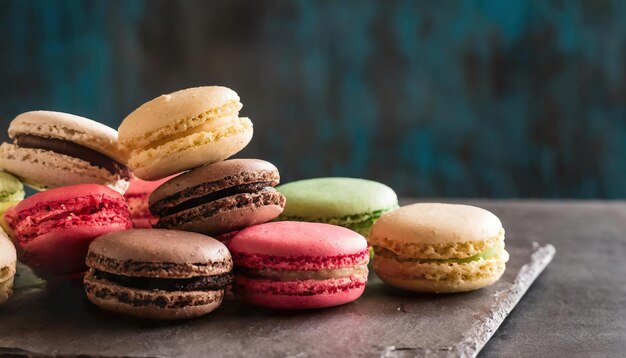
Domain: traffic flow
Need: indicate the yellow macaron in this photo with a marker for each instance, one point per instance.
(183, 130)
(434, 247)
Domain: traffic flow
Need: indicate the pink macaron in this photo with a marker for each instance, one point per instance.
(137, 197)
(299, 265)
(52, 230)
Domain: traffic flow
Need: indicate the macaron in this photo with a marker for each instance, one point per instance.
(349, 202)
(137, 197)
(11, 192)
(183, 130)
(434, 247)
(8, 260)
(299, 265)
(11, 189)
(53, 149)
(157, 274)
(4, 207)
(53, 229)
(220, 197)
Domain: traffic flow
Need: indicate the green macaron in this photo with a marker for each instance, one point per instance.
(352, 203)
(11, 189)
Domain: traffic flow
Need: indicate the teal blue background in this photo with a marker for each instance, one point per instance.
(505, 98)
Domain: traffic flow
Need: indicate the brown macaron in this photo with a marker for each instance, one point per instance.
(220, 197)
(157, 274)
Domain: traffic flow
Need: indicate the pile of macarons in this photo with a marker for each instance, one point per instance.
(157, 222)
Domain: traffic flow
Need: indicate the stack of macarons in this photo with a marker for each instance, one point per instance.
(194, 131)
(160, 222)
(77, 165)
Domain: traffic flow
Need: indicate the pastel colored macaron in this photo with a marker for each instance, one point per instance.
(137, 197)
(53, 229)
(299, 265)
(220, 197)
(8, 260)
(157, 274)
(11, 192)
(349, 202)
(183, 130)
(434, 247)
(11, 189)
(53, 149)
(4, 206)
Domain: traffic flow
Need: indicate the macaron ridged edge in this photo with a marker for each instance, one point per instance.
(143, 140)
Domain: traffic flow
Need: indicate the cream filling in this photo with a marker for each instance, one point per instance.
(496, 250)
(197, 136)
(294, 275)
(212, 125)
(144, 140)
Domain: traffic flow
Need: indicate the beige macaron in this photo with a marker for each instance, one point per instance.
(183, 130)
(53, 149)
(8, 259)
(434, 247)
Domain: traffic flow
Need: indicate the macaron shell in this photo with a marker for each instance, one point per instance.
(429, 286)
(188, 153)
(79, 130)
(11, 189)
(8, 256)
(335, 197)
(43, 169)
(292, 302)
(53, 229)
(116, 298)
(437, 223)
(293, 238)
(4, 208)
(175, 112)
(68, 193)
(63, 252)
(8, 261)
(163, 246)
(6, 289)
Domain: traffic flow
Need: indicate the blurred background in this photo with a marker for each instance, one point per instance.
(501, 98)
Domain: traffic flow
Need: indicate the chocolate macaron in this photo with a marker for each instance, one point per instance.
(220, 197)
(53, 149)
(157, 274)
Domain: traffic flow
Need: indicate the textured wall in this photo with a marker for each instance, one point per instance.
(502, 98)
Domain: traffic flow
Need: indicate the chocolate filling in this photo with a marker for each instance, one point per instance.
(202, 283)
(73, 150)
(233, 190)
(207, 210)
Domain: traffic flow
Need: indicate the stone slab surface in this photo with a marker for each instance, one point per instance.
(384, 322)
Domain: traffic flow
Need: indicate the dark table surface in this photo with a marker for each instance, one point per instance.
(576, 307)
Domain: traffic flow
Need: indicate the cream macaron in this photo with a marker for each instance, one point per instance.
(8, 260)
(53, 149)
(434, 247)
(183, 130)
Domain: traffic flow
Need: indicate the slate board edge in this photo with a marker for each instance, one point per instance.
(481, 331)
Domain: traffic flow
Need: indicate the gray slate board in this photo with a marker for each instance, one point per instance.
(384, 322)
